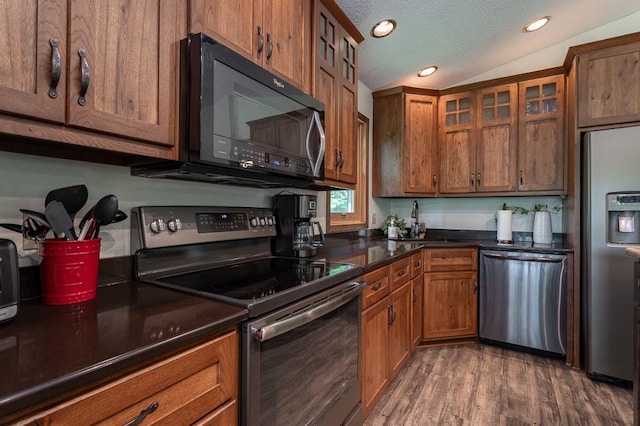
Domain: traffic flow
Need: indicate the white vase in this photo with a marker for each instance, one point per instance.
(393, 231)
(542, 228)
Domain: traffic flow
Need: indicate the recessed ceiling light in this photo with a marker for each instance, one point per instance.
(536, 24)
(383, 28)
(427, 71)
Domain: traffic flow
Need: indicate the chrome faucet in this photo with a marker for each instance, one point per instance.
(414, 211)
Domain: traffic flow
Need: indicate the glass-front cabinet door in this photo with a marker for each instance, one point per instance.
(541, 148)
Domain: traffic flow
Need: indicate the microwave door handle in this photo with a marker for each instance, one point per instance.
(317, 162)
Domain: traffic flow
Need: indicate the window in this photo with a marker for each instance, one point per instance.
(347, 209)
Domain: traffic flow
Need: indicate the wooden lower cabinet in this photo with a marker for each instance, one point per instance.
(400, 342)
(198, 386)
(417, 284)
(450, 298)
(387, 340)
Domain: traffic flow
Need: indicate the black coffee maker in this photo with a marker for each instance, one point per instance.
(299, 234)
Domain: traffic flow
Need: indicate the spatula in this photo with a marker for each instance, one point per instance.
(73, 198)
(59, 220)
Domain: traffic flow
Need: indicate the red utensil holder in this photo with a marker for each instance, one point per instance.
(69, 271)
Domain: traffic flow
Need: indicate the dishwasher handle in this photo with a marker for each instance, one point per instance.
(525, 258)
(270, 331)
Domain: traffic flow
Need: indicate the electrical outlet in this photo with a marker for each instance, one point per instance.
(374, 219)
(28, 244)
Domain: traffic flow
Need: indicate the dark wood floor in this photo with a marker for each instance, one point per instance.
(484, 385)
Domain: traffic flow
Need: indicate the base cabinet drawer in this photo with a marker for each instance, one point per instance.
(198, 385)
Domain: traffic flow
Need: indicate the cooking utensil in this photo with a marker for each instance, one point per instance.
(104, 212)
(119, 216)
(73, 198)
(38, 217)
(12, 227)
(59, 220)
(29, 229)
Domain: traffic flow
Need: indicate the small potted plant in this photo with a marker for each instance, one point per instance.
(542, 233)
(393, 226)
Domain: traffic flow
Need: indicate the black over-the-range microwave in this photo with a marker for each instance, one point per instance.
(240, 124)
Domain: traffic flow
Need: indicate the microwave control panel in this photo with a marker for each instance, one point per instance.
(251, 155)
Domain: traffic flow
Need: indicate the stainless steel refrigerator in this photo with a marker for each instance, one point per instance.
(611, 165)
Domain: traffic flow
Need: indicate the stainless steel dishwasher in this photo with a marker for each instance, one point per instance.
(523, 299)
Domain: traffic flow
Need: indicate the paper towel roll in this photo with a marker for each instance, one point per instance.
(504, 227)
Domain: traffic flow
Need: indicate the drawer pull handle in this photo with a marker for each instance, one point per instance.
(401, 273)
(56, 68)
(144, 413)
(84, 78)
(376, 287)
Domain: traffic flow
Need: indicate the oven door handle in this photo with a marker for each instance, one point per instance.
(314, 312)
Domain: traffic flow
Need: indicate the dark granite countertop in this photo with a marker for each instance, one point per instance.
(48, 351)
(374, 252)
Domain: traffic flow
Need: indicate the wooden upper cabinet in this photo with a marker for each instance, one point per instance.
(335, 58)
(497, 136)
(33, 58)
(609, 86)
(123, 68)
(457, 143)
(420, 144)
(272, 33)
(541, 144)
(405, 155)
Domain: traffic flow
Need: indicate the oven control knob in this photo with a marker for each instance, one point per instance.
(254, 222)
(174, 225)
(270, 221)
(158, 226)
(263, 221)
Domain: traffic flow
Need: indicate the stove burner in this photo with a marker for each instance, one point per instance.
(256, 279)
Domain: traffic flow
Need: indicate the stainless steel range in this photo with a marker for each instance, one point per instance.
(301, 344)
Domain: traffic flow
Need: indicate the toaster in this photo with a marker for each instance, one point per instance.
(9, 280)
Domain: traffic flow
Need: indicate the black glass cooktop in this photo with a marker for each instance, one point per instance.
(248, 283)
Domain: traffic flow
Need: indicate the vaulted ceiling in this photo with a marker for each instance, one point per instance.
(468, 38)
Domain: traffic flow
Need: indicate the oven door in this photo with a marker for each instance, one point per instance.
(301, 364)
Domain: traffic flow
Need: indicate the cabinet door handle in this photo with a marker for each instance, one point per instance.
(269, 47)
(521, 177)
(56, 68)
(389, 316)
(84, 78)
(260, 42)
(475, 286)
(144, 413)
(337, 159)
(435, 180)
(393, 314)
(341, 160)
(472, 179)
(415, 297)
(478, 178)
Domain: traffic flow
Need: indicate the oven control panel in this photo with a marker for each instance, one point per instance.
(166, 226)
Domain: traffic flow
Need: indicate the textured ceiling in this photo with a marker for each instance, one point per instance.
(466, 38)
